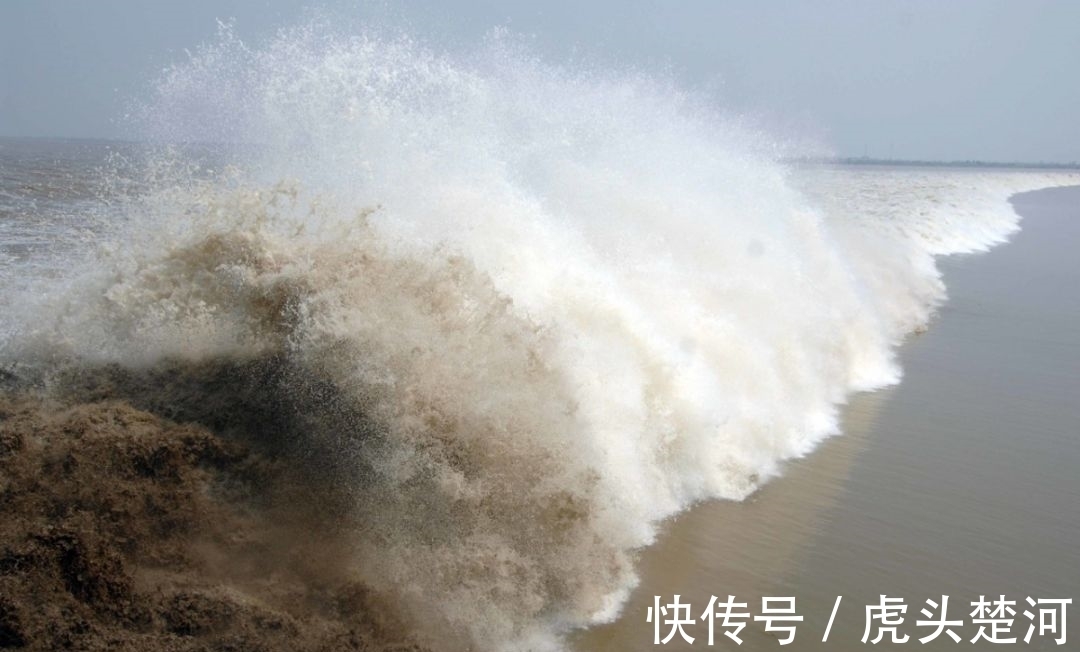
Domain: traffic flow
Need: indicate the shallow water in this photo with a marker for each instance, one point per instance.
(960, 481)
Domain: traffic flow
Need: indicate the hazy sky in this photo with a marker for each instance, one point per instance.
(935, 79)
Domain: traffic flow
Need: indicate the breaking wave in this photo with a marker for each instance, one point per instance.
(520, 313)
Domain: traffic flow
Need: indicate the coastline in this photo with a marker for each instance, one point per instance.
(958, 481)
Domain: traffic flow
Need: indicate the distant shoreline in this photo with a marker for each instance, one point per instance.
(816, 160)
(887, 162)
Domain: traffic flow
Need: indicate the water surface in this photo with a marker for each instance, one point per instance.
(961, 481)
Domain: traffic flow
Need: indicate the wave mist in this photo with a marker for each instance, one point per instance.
(518, 314)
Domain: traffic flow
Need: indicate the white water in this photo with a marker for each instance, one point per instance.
(572, 303)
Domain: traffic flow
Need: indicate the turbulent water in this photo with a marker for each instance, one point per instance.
(521, 312)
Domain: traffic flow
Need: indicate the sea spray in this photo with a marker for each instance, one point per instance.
(521, 313)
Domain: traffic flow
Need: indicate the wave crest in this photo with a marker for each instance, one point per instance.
(521, 314)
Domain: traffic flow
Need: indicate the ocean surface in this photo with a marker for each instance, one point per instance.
(959, 481)
(525, 315)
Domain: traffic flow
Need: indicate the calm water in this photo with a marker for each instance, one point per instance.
(963, 480)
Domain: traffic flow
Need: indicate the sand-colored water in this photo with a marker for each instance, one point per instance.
(961, 481)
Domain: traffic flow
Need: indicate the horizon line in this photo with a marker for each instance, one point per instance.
(842, 160)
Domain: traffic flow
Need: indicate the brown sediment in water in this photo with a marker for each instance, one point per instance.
(122, 530)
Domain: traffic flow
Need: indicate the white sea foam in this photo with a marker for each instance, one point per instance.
(568, 304)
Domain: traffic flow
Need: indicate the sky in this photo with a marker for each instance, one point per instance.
(921, 79)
